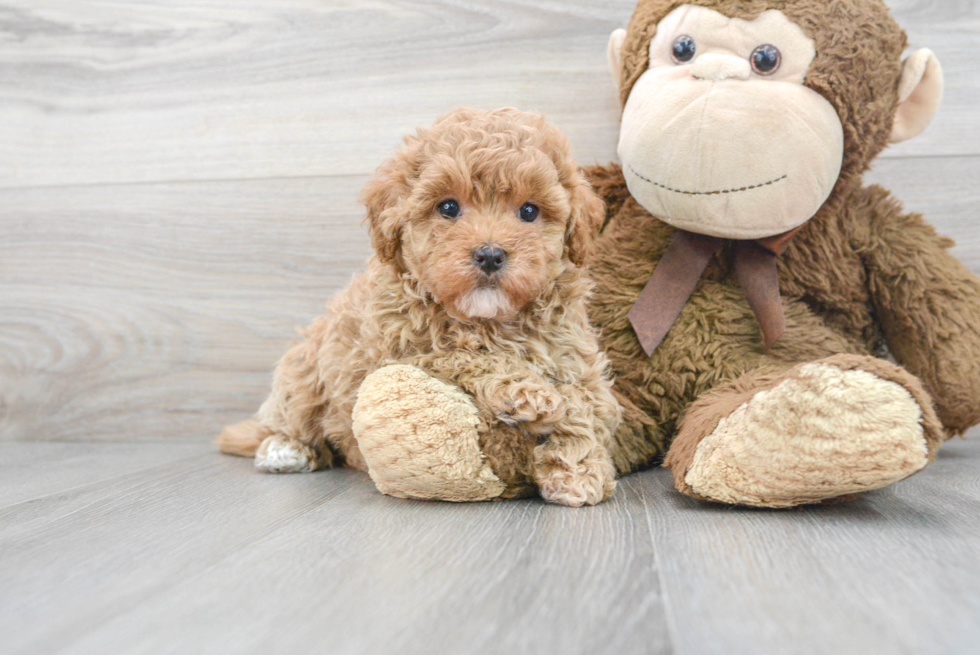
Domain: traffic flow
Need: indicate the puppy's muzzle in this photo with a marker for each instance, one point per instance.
(489, 259)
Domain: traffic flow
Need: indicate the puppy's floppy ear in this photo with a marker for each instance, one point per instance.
(588, 214)
(381, 196)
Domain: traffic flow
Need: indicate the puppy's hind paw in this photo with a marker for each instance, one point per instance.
(280, 455)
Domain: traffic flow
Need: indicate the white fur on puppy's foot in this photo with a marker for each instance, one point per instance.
(278, 455)
(821, 434)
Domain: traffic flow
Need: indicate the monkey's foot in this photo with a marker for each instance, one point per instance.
(823, 430)
(419, 438)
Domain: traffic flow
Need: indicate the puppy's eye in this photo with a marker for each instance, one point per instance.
(528, 212)
(766, 59)
(683, 49)
(449, 209)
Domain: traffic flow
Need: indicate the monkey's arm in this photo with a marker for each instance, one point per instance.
(928, 304)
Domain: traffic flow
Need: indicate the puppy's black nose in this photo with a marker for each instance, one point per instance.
(490, 259)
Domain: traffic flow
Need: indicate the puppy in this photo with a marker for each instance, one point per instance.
(481, 226)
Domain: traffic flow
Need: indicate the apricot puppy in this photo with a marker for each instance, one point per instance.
(481, 375)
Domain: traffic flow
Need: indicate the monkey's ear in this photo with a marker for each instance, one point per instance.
(919, 95)
(615, 55)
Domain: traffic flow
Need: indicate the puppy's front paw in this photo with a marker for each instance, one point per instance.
(535, 404)
(586, 483)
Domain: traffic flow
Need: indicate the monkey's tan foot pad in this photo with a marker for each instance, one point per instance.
(834, 428)
(282, 455)
(419, 438)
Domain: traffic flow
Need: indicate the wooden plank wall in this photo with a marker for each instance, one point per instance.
(178, 178)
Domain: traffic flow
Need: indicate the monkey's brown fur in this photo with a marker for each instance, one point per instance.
(863, 278)
(546, 411)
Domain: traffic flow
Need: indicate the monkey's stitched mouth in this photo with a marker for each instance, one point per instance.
(707, 193)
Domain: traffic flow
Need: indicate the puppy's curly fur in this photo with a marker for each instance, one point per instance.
(517, 340)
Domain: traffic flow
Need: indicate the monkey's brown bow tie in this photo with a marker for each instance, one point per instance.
(680, 270)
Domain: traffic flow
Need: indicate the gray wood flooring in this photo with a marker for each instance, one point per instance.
(178, 184)
(172, 548)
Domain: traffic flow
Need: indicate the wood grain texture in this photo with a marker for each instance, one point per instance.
(201, 554)
(98, 91)
(108, 92)
(33, 470)
(205, 555)
(892, 572)
(141, 312)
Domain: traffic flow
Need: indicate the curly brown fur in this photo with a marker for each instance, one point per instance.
(864, 278)
(523, 350)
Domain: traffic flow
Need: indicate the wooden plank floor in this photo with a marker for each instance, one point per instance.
(178, 192)
(201, 554)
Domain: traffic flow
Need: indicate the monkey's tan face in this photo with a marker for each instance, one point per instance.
(487, 248)
(720, 136)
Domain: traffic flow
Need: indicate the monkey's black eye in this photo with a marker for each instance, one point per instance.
(766, 59)
(684, 49)
(528, 212)
(449, 209)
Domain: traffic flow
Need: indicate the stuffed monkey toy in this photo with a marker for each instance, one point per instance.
(750, 288)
